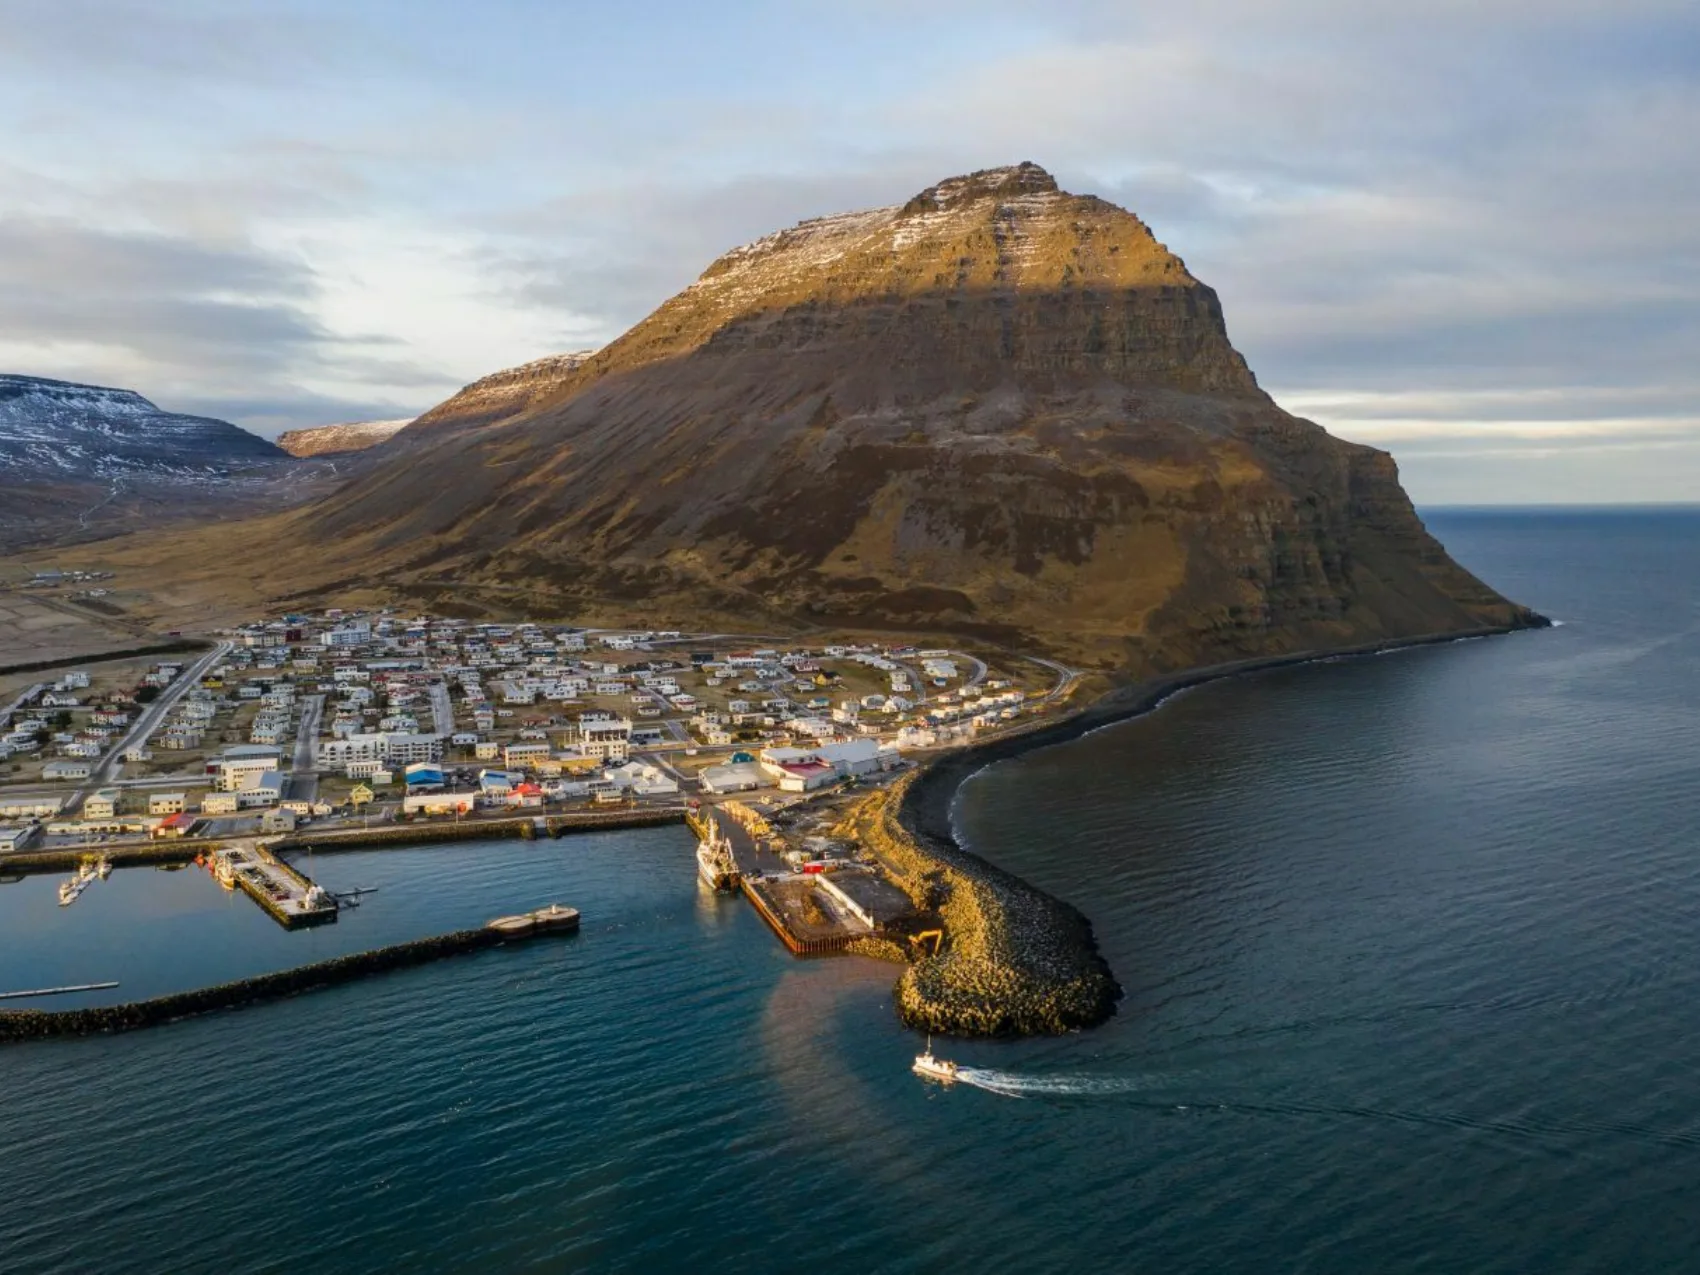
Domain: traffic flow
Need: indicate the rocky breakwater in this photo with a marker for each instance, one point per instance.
(23, 1025)
(1014, 960)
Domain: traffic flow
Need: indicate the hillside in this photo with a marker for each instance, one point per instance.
(335, 440)
(995, 408)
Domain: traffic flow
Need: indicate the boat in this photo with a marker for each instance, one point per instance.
(714, 860)
(105, 866)
(934, 1068)
(70, 891)
(553, 917)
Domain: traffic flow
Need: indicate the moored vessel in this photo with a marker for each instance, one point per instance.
(553, 917)
(714, 860)
(70, 891)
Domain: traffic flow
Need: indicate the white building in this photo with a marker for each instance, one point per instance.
(240, 766)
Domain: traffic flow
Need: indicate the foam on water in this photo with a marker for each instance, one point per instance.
(1013, 1084)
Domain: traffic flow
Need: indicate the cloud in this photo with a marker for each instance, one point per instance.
(1462, 224)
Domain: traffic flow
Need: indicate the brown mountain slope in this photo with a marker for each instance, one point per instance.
(998, 407)
(333, 440)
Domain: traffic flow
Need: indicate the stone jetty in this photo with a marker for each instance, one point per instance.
(25, 1025)
(1014, 960)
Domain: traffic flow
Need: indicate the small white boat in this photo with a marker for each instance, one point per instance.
(934, 1068)
(70, 891)
(105, 868)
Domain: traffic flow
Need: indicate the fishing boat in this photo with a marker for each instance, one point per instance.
(934, 1068)
(553, 917)
(105, 866)
(714, 860)
(72, 890)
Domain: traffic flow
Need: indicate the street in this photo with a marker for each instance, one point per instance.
(151, 716)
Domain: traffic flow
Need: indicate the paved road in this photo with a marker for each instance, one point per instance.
(26, 697)
(303, 771)
(152, 715)
(442, 709)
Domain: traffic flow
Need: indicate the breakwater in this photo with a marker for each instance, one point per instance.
(528, 828)
(143, 854)
(1016, 962)
(25, 1025)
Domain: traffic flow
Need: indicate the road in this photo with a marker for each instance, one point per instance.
(15, 705)
(152, 715)
(303, 768)
(1065, 675)
(442, 709)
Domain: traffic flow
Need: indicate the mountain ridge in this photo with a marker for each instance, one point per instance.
(996, 407)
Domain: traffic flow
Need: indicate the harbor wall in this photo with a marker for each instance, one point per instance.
(1016, 962)
(413, 834)
(382, 837)
(25, 1025)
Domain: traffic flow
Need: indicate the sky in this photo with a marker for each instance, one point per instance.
(1462, 230)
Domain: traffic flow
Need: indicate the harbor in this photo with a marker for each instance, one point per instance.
(817, 901)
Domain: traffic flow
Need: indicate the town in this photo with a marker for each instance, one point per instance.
(369, 726)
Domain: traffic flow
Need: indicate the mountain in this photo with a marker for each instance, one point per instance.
(349, 436)
(996, 408)
(501, 394)
(86, 459)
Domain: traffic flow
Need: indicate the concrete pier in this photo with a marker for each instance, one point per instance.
(288, 896)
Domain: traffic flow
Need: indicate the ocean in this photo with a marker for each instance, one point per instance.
(1408, 944)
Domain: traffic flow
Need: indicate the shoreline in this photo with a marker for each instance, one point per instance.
(1043, 947)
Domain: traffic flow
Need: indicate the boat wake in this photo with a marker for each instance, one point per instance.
(1013, 1084)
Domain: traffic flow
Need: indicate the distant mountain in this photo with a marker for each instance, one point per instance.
(80, 460)
(502, 394)
(350, 436)
(61, 429)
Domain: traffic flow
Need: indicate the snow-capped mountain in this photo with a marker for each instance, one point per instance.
(87, 460)
(60, 430)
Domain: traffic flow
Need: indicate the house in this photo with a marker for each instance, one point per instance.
(102, 804)
(177, 825)
(487, 750)
(518, 755)
(167, 803)
(278, 820)
(218, 803)
(641, 779)
(496, 783)
(56, 770)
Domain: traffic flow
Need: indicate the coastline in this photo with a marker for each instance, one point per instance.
(1043, 973)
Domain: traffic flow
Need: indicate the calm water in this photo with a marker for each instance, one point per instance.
(1410, 946)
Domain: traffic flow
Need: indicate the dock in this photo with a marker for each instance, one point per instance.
(815, 912)
(288, 896)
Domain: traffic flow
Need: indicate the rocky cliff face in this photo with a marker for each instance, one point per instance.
(997, 407)
(349, 436)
